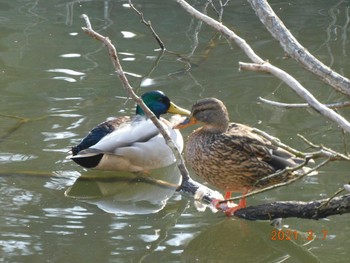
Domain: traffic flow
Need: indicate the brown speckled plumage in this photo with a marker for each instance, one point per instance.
(231, 156)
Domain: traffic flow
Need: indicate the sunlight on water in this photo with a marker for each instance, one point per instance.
(149, 238)
(127, 34)
(71, 55)
(179, 239)
(49, 136)
(147, 82)
(13, 157)
(64, 99)
(128, 59)
(75, 212)
(65, 79)
(66, 71)
(62, 179)
(19, 247)
(116, 226)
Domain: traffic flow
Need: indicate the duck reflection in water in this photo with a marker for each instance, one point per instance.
(127, 193)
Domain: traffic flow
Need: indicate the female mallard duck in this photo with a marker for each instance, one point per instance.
(231, 156)
(131, 143)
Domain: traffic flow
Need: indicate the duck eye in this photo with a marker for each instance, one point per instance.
(162, 100)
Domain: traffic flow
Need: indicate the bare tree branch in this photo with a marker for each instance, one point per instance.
(302, 105)
(261, 65)
(300, 90)
(294, 49)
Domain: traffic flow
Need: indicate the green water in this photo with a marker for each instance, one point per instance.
(57, 83)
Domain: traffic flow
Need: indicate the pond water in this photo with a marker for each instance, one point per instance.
(58, 83)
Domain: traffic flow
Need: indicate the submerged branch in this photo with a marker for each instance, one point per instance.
(20, 121)
(308, 210)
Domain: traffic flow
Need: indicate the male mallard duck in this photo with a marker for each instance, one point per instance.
(131, 143)
(231, 156)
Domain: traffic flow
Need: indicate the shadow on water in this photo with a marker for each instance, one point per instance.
(126, 193)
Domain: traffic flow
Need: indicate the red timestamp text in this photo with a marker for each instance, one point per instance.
(294, 235)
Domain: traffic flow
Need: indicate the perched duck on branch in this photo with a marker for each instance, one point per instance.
(231, 156)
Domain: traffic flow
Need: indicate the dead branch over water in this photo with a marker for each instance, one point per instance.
(264, 66)
(295, 50)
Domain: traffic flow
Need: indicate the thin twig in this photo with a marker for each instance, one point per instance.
(149, 25)
(327, 202)
(345, 143)
(147, 75)
(281, 172)
(340, 190)
(278, 143)
(325, 151)
(322, 150)
(309, 142)
(315, 168)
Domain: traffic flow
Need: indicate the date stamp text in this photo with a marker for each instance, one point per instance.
(295, 235)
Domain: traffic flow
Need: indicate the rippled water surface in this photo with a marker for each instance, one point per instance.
(57, 83)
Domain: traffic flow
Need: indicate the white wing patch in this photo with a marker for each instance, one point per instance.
(142, 144)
